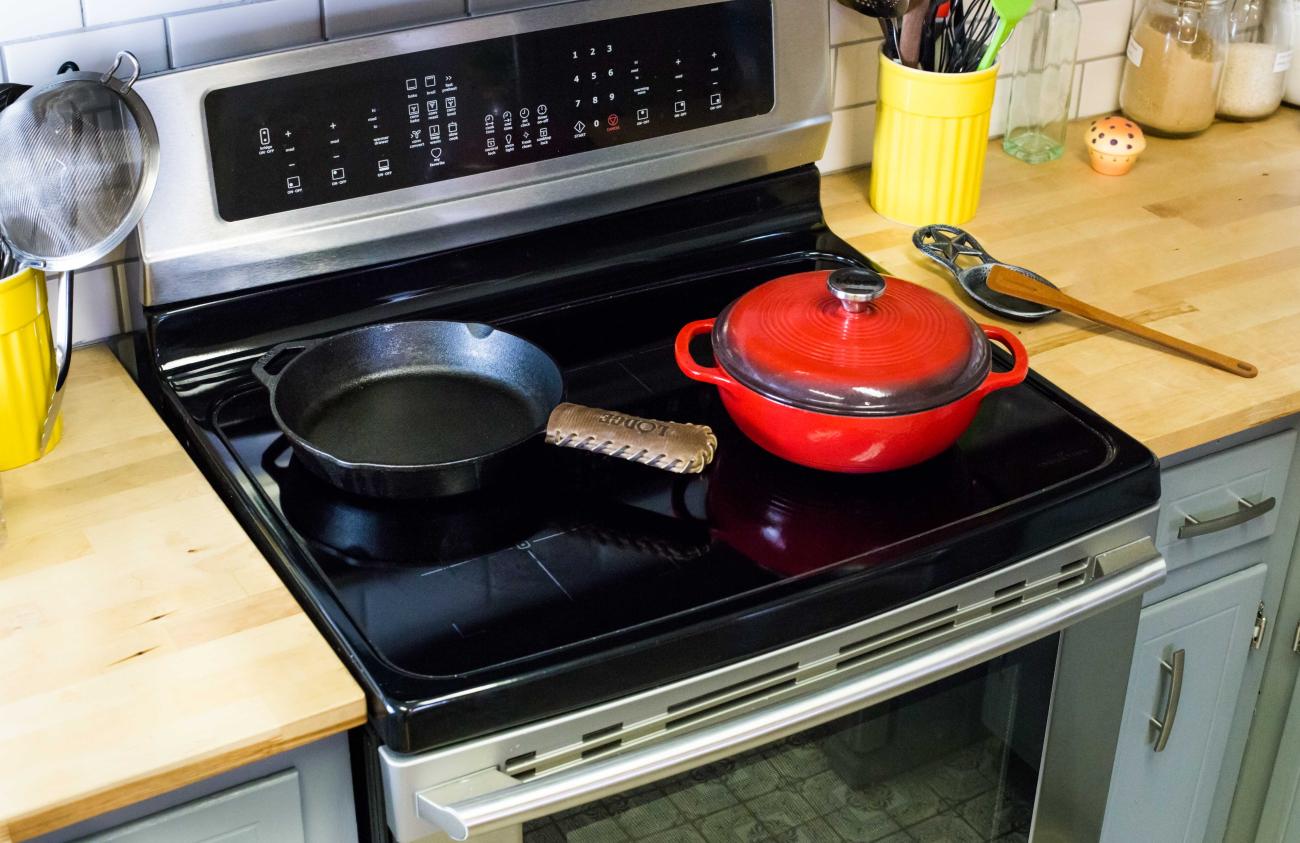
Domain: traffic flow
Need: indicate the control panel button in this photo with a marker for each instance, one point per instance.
(384, 165)
(264, 137)
(715, 100)
(679, 107)
(450, 103)
(643, 115)
(293, 182)
(412, 84)
(413, 111)
(431, 81)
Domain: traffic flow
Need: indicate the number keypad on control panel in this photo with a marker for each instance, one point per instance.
(452, 112)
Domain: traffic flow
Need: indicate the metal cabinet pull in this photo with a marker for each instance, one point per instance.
(1165, 725)
(1246, 511)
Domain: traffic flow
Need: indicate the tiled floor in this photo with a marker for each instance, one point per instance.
(792, 792)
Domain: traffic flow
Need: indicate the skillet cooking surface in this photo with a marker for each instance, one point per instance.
(420, 417)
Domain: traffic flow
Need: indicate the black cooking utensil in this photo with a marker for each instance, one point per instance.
(888, 13)
(432, 408)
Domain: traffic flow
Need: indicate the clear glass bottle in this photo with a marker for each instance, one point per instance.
(1042, 70)
(1259, 56)
(1174, 66)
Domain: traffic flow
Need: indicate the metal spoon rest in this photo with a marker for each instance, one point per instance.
(948, 245)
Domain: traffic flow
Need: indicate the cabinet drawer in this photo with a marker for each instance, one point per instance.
(268, 810)
(1229, 499)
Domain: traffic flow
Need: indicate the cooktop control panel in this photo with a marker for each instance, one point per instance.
(390, 123)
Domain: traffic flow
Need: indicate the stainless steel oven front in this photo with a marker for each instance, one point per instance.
(988, 711)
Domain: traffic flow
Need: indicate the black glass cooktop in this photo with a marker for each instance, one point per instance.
(587, 578)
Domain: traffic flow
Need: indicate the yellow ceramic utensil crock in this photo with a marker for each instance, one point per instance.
(26, 369)
(932, 133)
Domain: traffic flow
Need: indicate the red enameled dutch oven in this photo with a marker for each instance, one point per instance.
(850, 371)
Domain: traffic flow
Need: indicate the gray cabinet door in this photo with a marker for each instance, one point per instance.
(1281, 816)
(1167, 795)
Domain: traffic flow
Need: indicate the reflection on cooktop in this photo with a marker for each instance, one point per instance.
(578, 548)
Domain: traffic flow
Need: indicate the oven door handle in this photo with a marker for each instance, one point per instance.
(489, 799)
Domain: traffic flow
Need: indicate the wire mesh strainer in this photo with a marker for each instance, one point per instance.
(78, 162)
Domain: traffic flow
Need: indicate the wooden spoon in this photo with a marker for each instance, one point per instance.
(1012, 283)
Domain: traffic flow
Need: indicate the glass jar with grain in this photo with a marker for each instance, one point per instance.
(1259, 56)
(1174, 66)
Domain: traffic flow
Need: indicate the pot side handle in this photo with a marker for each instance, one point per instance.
(687, 363)
(1020, 362)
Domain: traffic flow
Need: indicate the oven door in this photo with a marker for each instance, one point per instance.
(989, 712)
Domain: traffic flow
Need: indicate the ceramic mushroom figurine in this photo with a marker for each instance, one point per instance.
(1114, 143)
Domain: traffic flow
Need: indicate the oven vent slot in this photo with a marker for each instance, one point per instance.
(1014, 588)
(733, 702)
(520, 765)
(1072, 574)
(1009, 603)
(907, 632)
(602, 749)
(599, 734)
(892, 643)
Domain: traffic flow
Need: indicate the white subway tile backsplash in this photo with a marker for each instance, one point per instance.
(33, 62)
(345, 18)
(20, 19)
(1001, 98)
(94, 303)
(857, 67)
(113, 11)
(1103, 30)
(1099, 91)
(1076, 90)
(848, 26)
(239, 30)
(852, 133)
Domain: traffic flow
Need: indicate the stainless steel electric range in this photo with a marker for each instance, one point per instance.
(600, 651)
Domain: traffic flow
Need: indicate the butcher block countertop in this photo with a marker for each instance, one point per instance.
(145, 643)
(1200, 240)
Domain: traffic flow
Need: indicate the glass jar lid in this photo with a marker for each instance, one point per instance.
(852, 343)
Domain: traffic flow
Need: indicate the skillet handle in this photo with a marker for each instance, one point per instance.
(292, 349)
(672, 446)
(1020, 363)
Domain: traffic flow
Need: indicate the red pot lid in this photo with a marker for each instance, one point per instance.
(851, 342)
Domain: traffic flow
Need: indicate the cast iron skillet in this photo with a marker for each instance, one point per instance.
(428, 408)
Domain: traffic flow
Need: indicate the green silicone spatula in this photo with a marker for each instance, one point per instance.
(1010, 13)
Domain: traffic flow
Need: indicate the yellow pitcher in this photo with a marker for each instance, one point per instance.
(26, 369)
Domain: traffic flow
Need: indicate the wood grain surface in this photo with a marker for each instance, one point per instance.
(1201, 240)
(145, 643)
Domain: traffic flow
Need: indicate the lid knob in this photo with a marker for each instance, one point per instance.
(855, 287)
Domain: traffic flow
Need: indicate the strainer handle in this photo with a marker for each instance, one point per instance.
(62, 357)
(123, 56)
